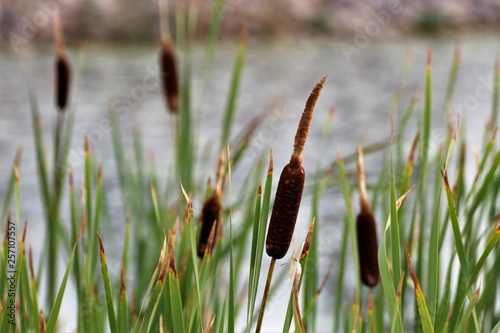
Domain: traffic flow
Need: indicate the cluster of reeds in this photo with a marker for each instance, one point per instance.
(435, 268)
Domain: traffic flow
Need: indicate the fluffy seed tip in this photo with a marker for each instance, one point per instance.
(305, 123)
(363, 196)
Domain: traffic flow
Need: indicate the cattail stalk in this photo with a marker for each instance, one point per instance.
(288, 196)
(266, 295)
(366, 232)
(291, 186)
(63, 70)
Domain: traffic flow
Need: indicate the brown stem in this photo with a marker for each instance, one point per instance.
(266, 295)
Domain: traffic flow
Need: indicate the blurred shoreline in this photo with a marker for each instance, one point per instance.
(126, 21)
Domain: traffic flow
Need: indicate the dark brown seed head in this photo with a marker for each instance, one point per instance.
(210, 216)
(63, 70)
(285, 210)
(169, 76)
(291, 185)
(368, 248)
(63, 79)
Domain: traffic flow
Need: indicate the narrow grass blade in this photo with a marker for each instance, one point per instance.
(174, 290)
(13, 270)
(54, 313)
(123, 311)
(234, 88)
(492, 242)
(261, 226)
(423, 310)
(10, 186)
(351, 223)
(457, 235)
(107, 288)
(395, 241)
(453, 77)
(299, 325)
(461, 327)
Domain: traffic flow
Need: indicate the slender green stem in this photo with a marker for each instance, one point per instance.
(266, 295)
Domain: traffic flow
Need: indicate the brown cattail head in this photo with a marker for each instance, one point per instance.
(168, 75)
(63, 69)
(291, 186)
(210, 217)
(285, 211)
(63, 78)
(366, 231)
(367, 248)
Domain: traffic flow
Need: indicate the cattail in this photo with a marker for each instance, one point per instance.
(291, 186)
(366, 232)
(63, 70)
(169, 75)
(211, 214)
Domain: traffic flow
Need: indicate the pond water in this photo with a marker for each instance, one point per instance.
(360, 87)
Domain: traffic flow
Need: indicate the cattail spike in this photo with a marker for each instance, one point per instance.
(363, 196)
(285, 211)
(305, 123)
(366, 231)
(63, 69)
(210, 219)
(290, 186)
(367, 248)
(168, 74)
